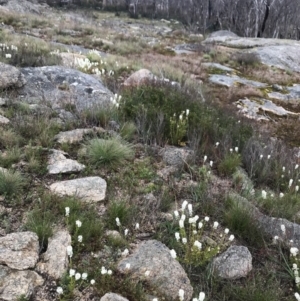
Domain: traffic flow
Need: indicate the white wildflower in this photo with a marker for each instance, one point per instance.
(184, 204)
(200, 225)
(190, 209)
(206, 218)
(173, 253)
(296, 188)
(137, 226)
(78, 223)
(281, 195)
(177, 236)
(147, 273)
(93, 282)
(84, 276)
(261, 156)
(217, 144)
(201, 296)
(181, 294)
(236, 149)
(126, 232)
(109, 272)
(216, 224)
(290, 183)
(77, 276)
(181, 224)
(103, 270)
(118, 222)
(184, 240)
(231, 237)
(8, 55)
(79, 238)
(198, 244)
(211, 163)
(226, 231)
(127, 266)
(72, 272)
(264, 194)
(59, 290)
(282, 228)
(296, 166)
(67, 209)
(176, 214)
(70, 251)
(204, 159)
(294, 251)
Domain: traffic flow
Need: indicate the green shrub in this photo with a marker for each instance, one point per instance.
(128, 130)
(152, 108)
(229, 164)
(9, 138)
(11, 183)
(32, 55)
(112, 153)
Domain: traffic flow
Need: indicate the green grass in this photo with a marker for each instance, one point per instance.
(11, 155)
(11, 183)
(112, 153)
(229, 164)
(239, 220)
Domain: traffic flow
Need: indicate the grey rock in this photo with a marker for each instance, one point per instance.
(2, 101)
(223, 33)
(228, 81)
(90, 189)
(139, 78)
(84, 90)
(255, 108)
(293, 94)
(25, 6)
(281, 56)
(10, 77)
(55, 260)
(280, 53)
(76, 136)
(14, 284)
(59, 164)
(234, 263)
(217, 66)
(19, 251)
(113, 297)
(166, 274)
(177, 157)
(3, 120)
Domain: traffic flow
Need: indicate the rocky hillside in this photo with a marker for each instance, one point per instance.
(139, 161)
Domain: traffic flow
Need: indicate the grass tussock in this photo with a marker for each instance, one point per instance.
(11, 183)
(108, 152)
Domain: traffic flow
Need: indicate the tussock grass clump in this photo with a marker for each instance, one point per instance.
(41, 222)
(111, 153)
(11, 155)
(9, 138)
(229, 164)
(11, 183)
(240, 221)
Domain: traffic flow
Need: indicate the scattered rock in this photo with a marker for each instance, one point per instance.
(76, 136)
(234, 263)
(113, 297)
(255, 108)
(90, 189)
(3, 120)
(293, 93)
(223, 33)
(83, 91)
(55, 260)
(217, 66)
(228, 81)
(10, 77)
(177, 157)
(166, 274)
(19, 251)
(14, 284)
(139, 78)
(283, 54)
(25, 6)
(58, 163)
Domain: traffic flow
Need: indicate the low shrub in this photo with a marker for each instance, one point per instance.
(11, 183)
